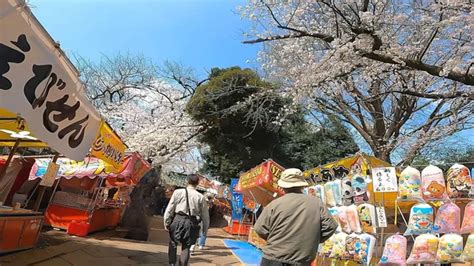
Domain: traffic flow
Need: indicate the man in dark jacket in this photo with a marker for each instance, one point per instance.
(294, 224)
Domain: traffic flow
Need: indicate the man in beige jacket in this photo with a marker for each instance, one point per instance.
(294, 224)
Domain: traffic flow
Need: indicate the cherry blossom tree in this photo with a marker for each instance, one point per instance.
(399, 72)
(145, 104)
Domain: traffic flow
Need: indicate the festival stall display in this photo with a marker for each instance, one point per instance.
(256, 187)
(434, 217)
(89, 196)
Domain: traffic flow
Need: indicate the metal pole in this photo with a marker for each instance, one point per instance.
(42, 189)
(3, 171)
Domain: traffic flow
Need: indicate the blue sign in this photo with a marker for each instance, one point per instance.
(237, 200)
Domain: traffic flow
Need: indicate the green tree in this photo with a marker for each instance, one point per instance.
(248, 122)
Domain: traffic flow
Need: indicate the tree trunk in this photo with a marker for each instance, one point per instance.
(383, 155)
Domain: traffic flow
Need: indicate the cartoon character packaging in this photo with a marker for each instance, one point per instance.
(459, 181)
(421, 219)
(424, 249)
(432, 183)
(409, 184)
(448, 219)
(367, 217)
(468, 219)
(449, 249)
(468, 253)
(395, 251)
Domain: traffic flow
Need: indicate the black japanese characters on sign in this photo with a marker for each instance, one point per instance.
(55, 111)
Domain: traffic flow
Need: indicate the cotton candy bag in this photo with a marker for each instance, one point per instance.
(424, 249)
(343, 219)
(351, 243)
(394, 251)
(449, 249)
(421, 219)
(468, 253)
(459, 181)
(365, 249)
(360, 189)
(409, 184)
(339, 246)
(432, 183)
(320, 193)
(448, 219)
(468, 220)
(347, 193)
(325, 248)
(367, 217)
(353, 218)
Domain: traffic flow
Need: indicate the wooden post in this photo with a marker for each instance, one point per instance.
(42, 189)
(3, 171)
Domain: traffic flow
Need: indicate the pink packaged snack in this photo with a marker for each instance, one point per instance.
(424, 249)
(468, 220)
(459, 181)
(353, 218)
(448, 219)
(432, 183)
(395, 251)
(343, 219)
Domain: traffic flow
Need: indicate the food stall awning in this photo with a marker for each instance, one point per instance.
(39, 84)
(131, 171)
(13, 128)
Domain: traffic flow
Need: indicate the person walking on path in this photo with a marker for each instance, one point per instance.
(201, 242)
(294, 224)
(186, 209)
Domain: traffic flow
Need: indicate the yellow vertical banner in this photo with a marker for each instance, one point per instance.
(109, 147)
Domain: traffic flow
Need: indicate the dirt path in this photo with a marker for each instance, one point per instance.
(110, 249)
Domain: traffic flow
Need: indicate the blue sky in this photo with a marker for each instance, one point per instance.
(198, 33)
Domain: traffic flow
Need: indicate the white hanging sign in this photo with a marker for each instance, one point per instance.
(381, 217)
(38, 83)
(385, 179)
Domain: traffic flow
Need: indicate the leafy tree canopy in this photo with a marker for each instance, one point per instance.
(248, 122)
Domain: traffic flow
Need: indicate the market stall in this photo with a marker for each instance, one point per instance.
(254, 188)
(42, 104)
(384, 212)
(89, 197)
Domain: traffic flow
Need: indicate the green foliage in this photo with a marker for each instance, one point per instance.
(243, 118)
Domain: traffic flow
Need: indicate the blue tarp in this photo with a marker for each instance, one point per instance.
(248, 254)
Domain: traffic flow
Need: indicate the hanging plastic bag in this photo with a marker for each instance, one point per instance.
(347, 193)
(448, 219)
(367, 217)
(459, 181)
(329, 193)
(351, 243)
(433, 185)
(320, 193)
(424, 249)
(339, 246)
(337, 189)
(353, 218)
(360, 189)
(409, 184)
(325, 248)
(449, 249)
(394, 251)
(365, 249)
(468, 253)
(343, 219)
(468, 220)
(334, 212)
(421, 219)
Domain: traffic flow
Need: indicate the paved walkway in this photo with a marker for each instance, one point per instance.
(110, 249)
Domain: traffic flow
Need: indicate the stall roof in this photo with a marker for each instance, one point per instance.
(132, 170)
(13, 128)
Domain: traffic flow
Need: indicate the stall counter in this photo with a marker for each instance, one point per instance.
(80, 222)
(19, 229)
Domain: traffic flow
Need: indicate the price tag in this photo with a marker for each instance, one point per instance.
(381, 217)
(50, 175)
